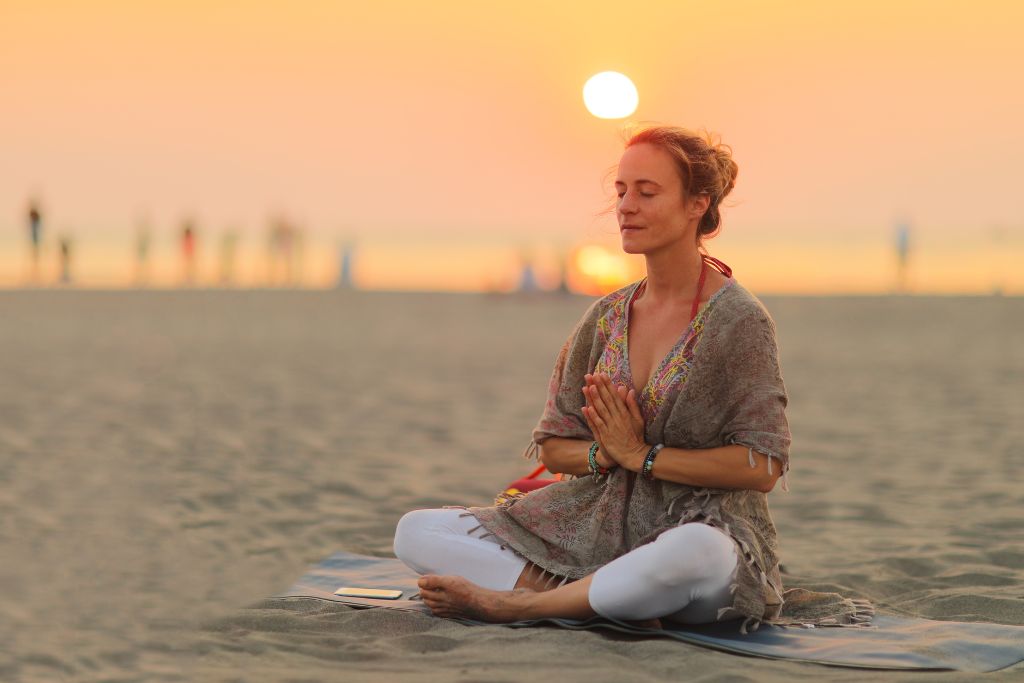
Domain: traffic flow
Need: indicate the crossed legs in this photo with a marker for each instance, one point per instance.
(683, 576)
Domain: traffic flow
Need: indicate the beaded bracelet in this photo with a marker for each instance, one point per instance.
(648, 469)
(592, 459)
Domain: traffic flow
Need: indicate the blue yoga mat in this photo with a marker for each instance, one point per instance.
(889, 643)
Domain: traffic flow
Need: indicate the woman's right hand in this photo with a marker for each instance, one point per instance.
(628, 397)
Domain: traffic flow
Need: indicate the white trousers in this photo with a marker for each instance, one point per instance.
(684, 575)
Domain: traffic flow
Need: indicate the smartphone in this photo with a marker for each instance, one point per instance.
(379, 593)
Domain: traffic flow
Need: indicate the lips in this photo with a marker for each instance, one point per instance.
(630, 227)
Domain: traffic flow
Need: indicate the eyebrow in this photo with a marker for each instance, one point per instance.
(642, 181)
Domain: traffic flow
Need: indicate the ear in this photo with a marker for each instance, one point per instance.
(699, 203)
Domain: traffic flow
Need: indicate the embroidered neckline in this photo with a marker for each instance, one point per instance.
(695, 325)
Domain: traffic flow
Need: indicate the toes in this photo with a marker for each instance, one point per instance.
(440, 583)
(440, 608)
(430, 582)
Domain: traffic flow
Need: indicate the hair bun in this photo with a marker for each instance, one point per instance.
(727, 168)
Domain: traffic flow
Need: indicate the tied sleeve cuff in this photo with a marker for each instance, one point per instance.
(532, 451)
(771, 455)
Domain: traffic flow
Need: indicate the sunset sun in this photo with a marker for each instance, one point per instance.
(610, 95)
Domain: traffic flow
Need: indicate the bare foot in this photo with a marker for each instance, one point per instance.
(454, 596)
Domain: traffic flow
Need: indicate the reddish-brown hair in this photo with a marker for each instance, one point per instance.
(705, 166)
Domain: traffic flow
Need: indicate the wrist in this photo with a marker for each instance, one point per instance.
(636, 457)
(647, 468)
(594, 461)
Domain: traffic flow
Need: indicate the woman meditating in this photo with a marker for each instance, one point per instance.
(667, 406)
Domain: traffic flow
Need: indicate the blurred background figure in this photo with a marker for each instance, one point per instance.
(188, 253)
(999, 244)
(527, 276)
(284, 253)
(64, 263)
(35, 236)
(345, 266)
(228, 252)
(902, 255)
(298, 256)
(142, 243)
(563, 273)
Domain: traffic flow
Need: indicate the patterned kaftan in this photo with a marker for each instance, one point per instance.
(719, 385)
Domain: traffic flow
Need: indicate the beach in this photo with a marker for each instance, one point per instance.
(171, 459)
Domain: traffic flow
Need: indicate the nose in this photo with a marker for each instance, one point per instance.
(627, 203)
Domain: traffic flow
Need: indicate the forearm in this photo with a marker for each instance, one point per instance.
(566, 456)
(725, 467)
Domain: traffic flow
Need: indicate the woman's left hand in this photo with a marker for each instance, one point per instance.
(616, 421)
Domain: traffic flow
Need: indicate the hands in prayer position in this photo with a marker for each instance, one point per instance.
(614, 417)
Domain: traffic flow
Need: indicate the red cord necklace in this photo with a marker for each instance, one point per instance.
(720, 266)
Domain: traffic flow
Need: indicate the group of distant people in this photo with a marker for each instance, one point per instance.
(35, 228)
(283, 253)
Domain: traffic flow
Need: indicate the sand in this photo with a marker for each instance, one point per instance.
(169, 460)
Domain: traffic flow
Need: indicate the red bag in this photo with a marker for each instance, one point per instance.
(530, 482)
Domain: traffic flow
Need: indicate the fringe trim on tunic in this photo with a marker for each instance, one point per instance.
(793, 607)
(532, 451)
(859, 615)
(770, 454)
(478, 526)
(561, 580)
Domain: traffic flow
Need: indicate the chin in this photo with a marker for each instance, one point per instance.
(632, 247)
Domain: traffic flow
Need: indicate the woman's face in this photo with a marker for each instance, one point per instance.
(651, 209)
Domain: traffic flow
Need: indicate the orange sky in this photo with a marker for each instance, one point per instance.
(446, 138)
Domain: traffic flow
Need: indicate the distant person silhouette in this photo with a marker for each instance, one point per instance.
(277, 246)
(527, 277)
(345, 269)
(902, 255)
(188, 253)
(563, 274)
(284, 253)
(228, 249)
(65, 260)
(142, 243)
(35, 234)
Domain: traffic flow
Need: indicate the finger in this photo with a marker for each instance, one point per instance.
(607, 394)
(613, 389)
(590, 394)
(627, 394)
(588, 417)
(598, 402)
(598, 424)
(634, 407)
(595, 430)
(621, 394)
